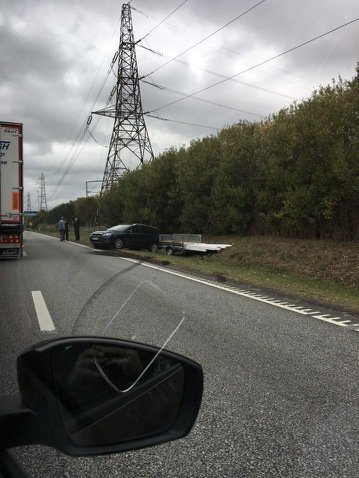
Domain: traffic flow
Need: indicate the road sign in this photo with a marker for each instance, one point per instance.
(30, 213)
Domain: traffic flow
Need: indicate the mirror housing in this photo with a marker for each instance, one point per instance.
(93, 395)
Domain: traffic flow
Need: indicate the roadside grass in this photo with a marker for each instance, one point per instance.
(324, 271)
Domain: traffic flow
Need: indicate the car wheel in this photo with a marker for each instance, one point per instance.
(154, 248)
(169, 251)
(118, 243)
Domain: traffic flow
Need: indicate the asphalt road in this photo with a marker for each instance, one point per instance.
(281, 388)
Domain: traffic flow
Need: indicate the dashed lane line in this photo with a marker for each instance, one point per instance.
(43, 315)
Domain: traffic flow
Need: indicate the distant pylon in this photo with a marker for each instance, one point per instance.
(130, 144)
(28, 202)
(42, 194)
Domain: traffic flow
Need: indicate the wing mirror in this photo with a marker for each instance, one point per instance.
(90, 396)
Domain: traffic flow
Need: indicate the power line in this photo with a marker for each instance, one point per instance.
(223, 50)
(78, 143)
(181, 122)
(83, 129)
(162, 21)
(250, 85)
(258, 64)
(214, 103)
(206, 38)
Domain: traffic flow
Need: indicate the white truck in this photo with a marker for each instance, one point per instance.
(11, 190)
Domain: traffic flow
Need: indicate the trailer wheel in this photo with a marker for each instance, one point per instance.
(169, 251)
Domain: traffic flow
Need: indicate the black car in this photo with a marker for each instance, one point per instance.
(132, 236)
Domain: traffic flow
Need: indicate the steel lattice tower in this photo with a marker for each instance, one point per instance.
(130, 144)
(42, 194)
(28, 203)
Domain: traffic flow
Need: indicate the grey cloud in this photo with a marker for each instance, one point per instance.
(55, 56)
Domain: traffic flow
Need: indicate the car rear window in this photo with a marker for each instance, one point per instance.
(119, 228)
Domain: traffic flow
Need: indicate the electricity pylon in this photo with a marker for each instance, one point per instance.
(28, 202)
(130, 144)
(42, 194)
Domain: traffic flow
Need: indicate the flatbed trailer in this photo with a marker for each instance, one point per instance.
(187, 243)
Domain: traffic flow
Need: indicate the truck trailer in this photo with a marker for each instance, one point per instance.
(11, 190)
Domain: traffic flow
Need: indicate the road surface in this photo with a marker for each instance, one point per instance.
(281, 386)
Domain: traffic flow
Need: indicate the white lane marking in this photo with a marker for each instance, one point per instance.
(64, 242)
(216, 286)
(283, 305)
(43, 315)
(78, 244)
(242, 292)
(327, 318)
(45, 236)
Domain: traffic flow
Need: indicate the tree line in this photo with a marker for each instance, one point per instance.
(295, 174)
(83, 208)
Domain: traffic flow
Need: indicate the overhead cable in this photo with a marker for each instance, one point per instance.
(206, 38)
(259, 64)
(152, 51)
(214, 103)
(181, 122)
(250, 85)
(162, 21)
(77, 147)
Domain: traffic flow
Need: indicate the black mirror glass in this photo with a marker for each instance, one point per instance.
(114, 393)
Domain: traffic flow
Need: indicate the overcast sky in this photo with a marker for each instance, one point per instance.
(55, 56)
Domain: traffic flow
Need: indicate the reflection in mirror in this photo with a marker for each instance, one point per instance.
(108, 394)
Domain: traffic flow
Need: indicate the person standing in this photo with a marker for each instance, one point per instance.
(77, 228)
(61, 227)
(66, 230)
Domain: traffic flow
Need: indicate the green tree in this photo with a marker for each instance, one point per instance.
(196, 168)
(86, 209)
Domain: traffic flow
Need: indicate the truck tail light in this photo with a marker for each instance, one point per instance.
(10, 239)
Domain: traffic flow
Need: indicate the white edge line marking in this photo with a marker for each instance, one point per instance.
(78, 244)
(291, 308)
(57, 239)
(281, 305)
(329, 320)
(43, 316)
(216, 286)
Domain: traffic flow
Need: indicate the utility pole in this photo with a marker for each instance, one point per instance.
(130, 144)
(42, 194)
